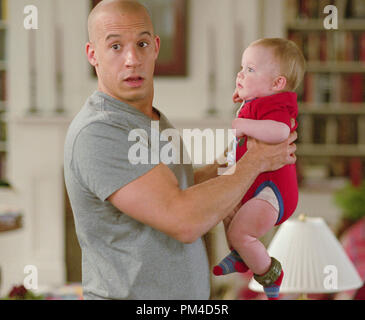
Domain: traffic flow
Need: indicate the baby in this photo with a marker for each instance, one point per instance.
(271, 70)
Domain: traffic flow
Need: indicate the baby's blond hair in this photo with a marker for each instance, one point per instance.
(290, 58)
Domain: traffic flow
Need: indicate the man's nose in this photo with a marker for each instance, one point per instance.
(132, 57)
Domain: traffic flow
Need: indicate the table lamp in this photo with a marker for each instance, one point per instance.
(312, 258)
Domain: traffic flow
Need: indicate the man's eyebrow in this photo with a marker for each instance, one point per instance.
(145, 33)
(119, 36)
(112, 36)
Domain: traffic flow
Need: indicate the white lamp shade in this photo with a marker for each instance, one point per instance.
(313, 260)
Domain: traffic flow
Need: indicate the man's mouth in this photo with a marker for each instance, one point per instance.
(134, 81)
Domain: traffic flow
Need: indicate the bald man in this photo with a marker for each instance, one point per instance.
(140, 226)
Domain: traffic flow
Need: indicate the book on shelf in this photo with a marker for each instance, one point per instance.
(323, 52)
(2, 44)
(315, 49)
(336, 80)
(322, 91)
(341, 6)
(339, 47)
(356, 9)
(358, 79)
(319, 129)
(318, 89)
(356, 171)
(308, 85)
(350, 46)
(297, 37)
(314, 9)
(322, 4)
(357, 87)
(291, 10)
(325, 47)
(2, 130)
(362, 47)
(3, 10)
(345, 88)
(308, 9)
(2, 165)
(2, 85)
(332, 89)
(303, 11)
(347, 129)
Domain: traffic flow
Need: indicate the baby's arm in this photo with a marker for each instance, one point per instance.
(268, 131)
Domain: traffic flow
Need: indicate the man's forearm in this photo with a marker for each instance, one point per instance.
(205, 173)
(206, 204)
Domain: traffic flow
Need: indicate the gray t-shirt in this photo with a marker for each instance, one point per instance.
(121, 257)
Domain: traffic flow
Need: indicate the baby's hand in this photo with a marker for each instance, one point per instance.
(236, 98)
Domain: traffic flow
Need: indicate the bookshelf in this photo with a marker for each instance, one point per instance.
(3, 80)
(331, 97)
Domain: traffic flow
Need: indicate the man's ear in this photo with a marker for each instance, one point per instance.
(157, 46)
(90, 52)
(279, 83)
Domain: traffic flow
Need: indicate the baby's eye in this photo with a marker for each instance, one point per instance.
(116, 46)
(250, 69)
(143, 44)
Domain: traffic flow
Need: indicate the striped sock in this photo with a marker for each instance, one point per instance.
(231, 263)
(272, 291)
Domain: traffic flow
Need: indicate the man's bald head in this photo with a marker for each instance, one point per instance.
(108, 7)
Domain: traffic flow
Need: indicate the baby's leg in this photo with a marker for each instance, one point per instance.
(232, 262)
(253, 220)
(261, 216)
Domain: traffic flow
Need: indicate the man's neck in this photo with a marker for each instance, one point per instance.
(144, 106)
(147, 109)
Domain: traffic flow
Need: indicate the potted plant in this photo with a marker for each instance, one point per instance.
(351, 199)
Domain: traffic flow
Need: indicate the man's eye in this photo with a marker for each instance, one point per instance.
(143, 44)
(116, 46)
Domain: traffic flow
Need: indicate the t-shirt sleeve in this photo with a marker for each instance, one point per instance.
(276, 112)
(103, 160)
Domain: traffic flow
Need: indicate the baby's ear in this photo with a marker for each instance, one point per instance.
(279, 83)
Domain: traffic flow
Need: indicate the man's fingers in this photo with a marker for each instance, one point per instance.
(292, 122)
(292, 137)
(292, 148)
(292, 158)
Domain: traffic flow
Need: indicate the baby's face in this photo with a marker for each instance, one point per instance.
(258, 72)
